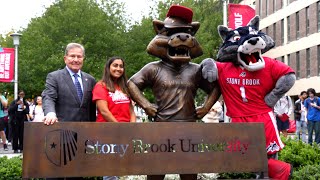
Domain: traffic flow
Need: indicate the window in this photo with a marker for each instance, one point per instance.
(289, 61)
(308, 62)
(282, 31)
(298, 65)
(260, 7)
(297, 25)
(267, 7)
(318, 58)
(288, 33)
(282, 59)
(318, 8)
(274, 31)
(307, 20)
(274, 5)
(267, 30)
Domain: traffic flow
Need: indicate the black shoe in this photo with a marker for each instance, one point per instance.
(5, 147)
(15, 151)
(21, 151)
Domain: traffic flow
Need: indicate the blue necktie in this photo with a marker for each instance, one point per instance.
(78, 86)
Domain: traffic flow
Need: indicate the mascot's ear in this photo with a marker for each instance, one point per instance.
(195, 27)
(254, 22)
(223, 32)
(158, 26)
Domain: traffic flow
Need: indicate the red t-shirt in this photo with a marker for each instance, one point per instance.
(118, 103)
(244, 91)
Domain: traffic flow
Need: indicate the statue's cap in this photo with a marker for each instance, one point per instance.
(181, 12)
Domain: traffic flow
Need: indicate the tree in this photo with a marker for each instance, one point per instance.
(99, 26)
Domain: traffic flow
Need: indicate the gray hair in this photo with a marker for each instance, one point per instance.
(74, 45)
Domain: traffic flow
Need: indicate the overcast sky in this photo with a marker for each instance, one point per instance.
(15, 14)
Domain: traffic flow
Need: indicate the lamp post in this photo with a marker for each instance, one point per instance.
(16, 37)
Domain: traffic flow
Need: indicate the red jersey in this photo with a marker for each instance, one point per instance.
(244, 91)
(118, 103)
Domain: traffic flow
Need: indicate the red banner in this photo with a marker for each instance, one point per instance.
(6, 64)
(239, 15)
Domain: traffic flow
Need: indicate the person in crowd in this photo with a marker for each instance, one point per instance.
(68, 92)
(214, 114)
(300, 116)
(3, 105)
(36, 112)
(112, 97)
(32, 104)
(140, 114)
(312, 106)
(18, 112)
(283, 110)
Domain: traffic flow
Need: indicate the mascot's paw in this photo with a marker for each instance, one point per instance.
(209, 69)
(271, 99)
(201, 112)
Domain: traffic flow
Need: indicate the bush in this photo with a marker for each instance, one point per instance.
(10, 168)
(299, 154)
(309, 172)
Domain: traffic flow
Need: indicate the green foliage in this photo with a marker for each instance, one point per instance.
(299, 154)
(236, 176)
(309, 172)
(10, 168)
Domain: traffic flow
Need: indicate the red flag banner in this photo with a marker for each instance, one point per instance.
(6, 64)
(239, 15)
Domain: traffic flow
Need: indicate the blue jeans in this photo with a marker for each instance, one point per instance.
(301, 126)
(314, 126)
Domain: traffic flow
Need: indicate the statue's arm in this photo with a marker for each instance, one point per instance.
(140, 99)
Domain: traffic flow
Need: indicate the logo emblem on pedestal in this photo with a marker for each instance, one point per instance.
(61, 146)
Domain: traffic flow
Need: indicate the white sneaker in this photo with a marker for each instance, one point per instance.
(9, 143)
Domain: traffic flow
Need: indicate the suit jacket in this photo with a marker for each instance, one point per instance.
(60, 96)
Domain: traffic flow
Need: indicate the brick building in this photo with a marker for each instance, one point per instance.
(295, 27)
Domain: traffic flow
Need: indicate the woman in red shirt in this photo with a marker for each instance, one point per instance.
(111, 94)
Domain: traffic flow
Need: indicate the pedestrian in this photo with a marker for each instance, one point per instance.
(3, 105)
(36, 112)
(18, 111)
(67, 95)
(300, 117)
(112, 97)
(312, 105)
(214, 114)
(282, 111)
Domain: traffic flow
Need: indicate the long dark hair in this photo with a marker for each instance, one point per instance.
(109, 81)
(24, 99)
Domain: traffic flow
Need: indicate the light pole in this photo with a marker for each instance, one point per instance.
(16, 37)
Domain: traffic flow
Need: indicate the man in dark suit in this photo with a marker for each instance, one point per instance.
(68, 92)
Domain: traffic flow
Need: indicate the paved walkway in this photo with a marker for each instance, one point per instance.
(8, 153)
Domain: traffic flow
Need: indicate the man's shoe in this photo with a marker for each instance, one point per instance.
(21, 151)
(15, 151)
(5, 147)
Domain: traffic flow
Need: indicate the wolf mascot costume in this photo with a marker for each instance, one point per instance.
(251, 84)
